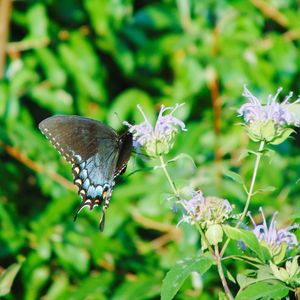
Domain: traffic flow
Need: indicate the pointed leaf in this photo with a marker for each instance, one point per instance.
(183, 268)
(249, 238)
(263, 290)
(181, 156)
(234, 176)
(7, 278)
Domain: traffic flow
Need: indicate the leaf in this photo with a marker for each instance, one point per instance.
(177, 275)
(265, 190)
(263, 290)
(249, 239)
(234, 176)
(7, 278)
(182, 156)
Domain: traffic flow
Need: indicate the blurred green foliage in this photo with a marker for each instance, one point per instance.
(100, 58)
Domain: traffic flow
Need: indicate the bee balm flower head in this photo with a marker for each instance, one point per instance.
(159, 139)
(268, 122)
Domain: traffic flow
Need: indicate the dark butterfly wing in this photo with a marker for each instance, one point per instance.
(78, 138)
(96, 152)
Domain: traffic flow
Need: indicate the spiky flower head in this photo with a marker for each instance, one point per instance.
(272, 237)
(206, 210)
(268, 122)
(209, 213)
(159, 139)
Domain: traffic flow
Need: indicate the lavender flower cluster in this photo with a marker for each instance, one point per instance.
(274, 238)
(159, 139)
(280, 113)
(205, 210)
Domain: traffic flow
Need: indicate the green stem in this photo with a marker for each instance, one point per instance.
(240, 259)
(176, 193)
(221, 273)
(172, 184)
(250, 192)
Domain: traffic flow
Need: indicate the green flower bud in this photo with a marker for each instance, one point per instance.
(214, 234)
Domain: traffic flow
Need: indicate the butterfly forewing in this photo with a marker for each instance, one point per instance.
(78, 138)
(98, 154)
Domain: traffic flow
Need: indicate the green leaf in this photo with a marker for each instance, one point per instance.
(177, 275)
(234, 176)
(250, 239)
(7, 277)
(182, 156)
(265, 189)
(37, 21)
(263, 290)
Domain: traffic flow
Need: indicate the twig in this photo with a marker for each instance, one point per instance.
(292, 35)
(221, 273)
(271, 12)
(213, 84)
(13, 152)
(5, 13)
(165, 238)
(217, 107)
(13, 47)
(151, 224)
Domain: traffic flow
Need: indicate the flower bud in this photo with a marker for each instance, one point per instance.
(214, 234)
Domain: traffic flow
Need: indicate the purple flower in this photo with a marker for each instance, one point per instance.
(280, 113)
(205, 210)
(272, 236)
(159, 139)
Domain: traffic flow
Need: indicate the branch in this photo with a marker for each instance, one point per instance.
(5, 13)
(15, 153)
(271, 12)
(13, 47)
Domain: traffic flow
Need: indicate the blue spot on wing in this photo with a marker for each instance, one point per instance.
(95, 177)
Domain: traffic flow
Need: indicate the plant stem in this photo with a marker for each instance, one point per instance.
(221, 273)
(172, 184)
(250, 192)
(215, 254)
(176, 193)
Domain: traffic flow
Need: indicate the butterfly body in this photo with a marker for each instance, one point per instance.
(97, 153)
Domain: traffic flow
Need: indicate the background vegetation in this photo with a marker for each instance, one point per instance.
(100, 58)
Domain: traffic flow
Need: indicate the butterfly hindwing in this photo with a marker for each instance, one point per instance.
(97, 153)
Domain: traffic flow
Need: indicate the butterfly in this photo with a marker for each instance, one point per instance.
(98, 154)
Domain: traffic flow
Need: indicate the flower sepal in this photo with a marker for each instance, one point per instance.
(279, 256)
(288, 274)
(263, 131)
(284, 135)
